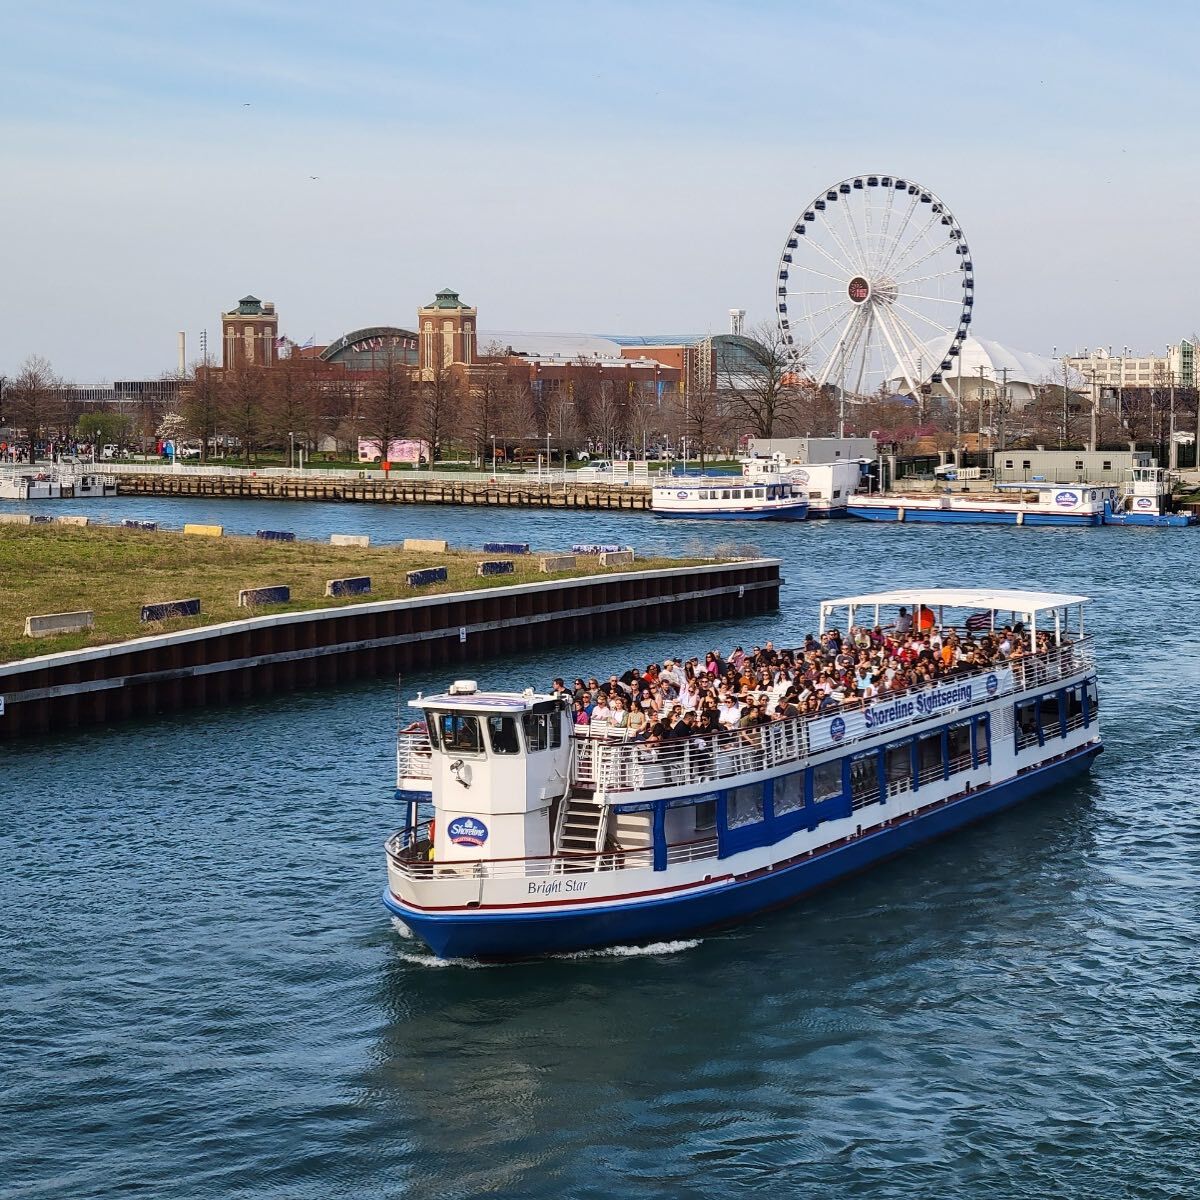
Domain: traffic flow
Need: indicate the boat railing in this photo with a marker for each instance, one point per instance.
(414, 754)
(409, 854)
(611, 763)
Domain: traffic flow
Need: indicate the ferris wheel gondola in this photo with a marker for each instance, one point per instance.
(875, 287)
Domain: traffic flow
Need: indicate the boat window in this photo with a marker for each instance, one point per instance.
(898, 764)
(827, 781)
(958, 744)
(431, 725)
(1049, 716)
(789, 792)
(983, 741)
(760, 493)
(543, 731)
(1093, 696)
(1026, 721)
(706, 815)
(864, 780)
(502, 733)
(744, 805)
(929, 757)
(460, 733)
(724, 493)
(1075, 707)
(704, 494)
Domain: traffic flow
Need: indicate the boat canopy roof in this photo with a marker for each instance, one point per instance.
(990, 599)
(477, 702)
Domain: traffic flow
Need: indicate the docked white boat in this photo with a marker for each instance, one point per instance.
(729, 497)
(827, 485)
(53, 483)
(523, 836)
(1024, 504)
(1146, 499)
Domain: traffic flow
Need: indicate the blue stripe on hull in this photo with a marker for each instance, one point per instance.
(546, 932)
(1159, 520)
(779, 514)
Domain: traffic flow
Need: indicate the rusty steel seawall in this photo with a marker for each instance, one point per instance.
(226, 663)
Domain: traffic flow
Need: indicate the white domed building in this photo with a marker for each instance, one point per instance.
(986, 365)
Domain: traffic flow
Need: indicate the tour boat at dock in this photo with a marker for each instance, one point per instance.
(524, 836)
(35, 483)
(766, 498)
(1037, 504)
(828, 485)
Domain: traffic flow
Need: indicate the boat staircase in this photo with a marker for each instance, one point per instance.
(581, 825)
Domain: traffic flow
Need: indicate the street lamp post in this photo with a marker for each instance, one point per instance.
(291, 450)
(493, 458)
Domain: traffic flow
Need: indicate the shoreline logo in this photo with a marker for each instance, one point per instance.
(467, 831)
(837, 729)
(1066, 499)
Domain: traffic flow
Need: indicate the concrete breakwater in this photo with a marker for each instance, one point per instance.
(237, 660)
(500, 492)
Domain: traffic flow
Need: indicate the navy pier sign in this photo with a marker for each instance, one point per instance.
(169, 609)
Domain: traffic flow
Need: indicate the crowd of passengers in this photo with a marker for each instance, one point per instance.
(824, 676)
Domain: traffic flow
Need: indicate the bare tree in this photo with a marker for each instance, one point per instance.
(387, 408)
(31, 400)
(437, 396)
(758, 380)
(243, 407)
(293, 403)
(700, 417)
(200, 405)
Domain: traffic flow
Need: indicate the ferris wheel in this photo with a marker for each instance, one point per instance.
(875, 286)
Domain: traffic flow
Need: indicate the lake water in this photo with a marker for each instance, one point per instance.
(203, 997)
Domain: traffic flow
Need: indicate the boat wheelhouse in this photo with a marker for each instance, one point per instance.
(524, 836)
(768, 497)
(1145, 499)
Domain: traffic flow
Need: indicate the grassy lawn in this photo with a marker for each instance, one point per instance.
(58, 568)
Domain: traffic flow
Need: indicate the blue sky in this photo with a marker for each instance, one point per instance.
(605, 167)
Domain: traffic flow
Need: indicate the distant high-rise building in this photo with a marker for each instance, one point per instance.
(447, 328)
(250, 332)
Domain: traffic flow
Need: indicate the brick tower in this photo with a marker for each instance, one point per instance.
(447, 328)
(249, 334)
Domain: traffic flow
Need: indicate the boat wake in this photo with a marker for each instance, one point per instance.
(652, 950)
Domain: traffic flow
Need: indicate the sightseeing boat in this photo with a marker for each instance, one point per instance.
(765, 498)
(1030, 504)
(524, 837)
(1145, 499)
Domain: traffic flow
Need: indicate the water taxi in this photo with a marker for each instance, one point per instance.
(525, 836)
(1145, 499)
(728, 497)
(1011, 504)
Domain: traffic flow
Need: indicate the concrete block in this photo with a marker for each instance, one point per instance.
(495, 567)
(506, 547)
(51, 623)
(349, 539)
(616, 558)
(15, 519)
(205, 530)
(70, 520)
(41, 519)
(170, 608)
(250, 597)
(427, 575)
(556, 562)
(148, 526)
(275, 535)
(358, 585)
(432, 545)
(598, 548)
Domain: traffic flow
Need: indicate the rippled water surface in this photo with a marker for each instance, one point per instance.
(201, 995)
